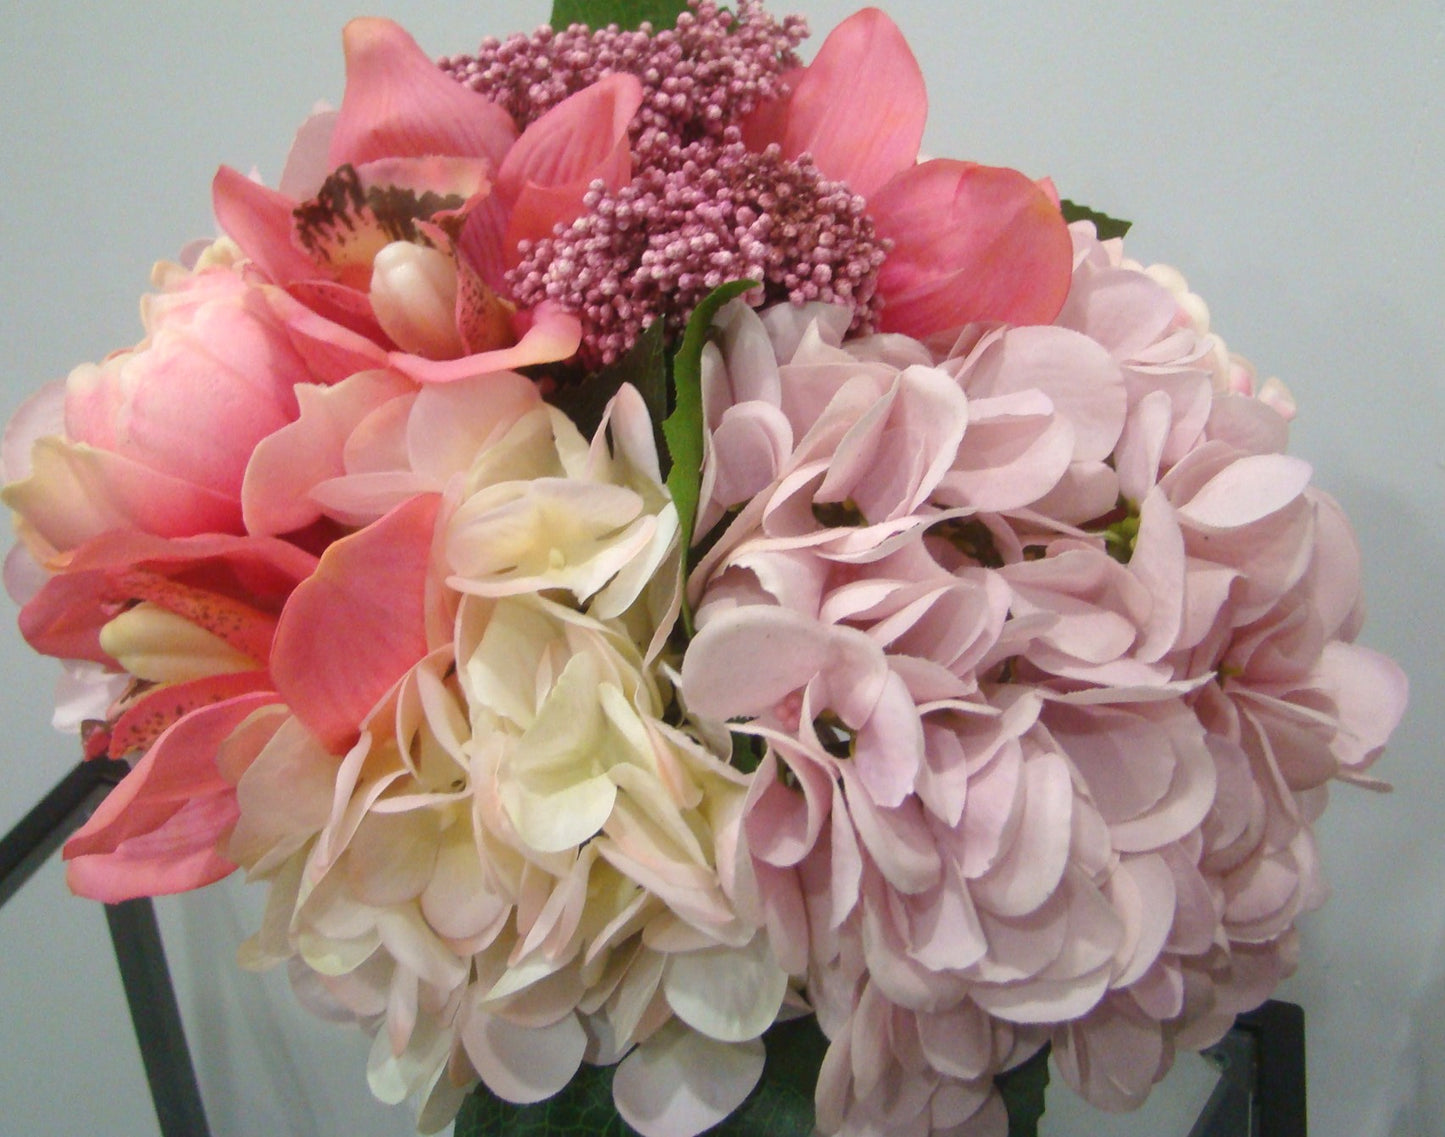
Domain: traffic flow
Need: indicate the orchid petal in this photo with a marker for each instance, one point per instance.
(398, 103)
(581, 140)
(971, 243)
(357, 624)
(553, 334)
(259, 220)
(859, 108)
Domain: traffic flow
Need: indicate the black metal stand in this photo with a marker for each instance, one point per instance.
(1261, 1090)
(135, 935)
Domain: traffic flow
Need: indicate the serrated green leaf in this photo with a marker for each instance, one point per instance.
(627, 14)
(1106, 226)
(644, 366)
(1023, 1094)
(781, 1105)
(683, 428)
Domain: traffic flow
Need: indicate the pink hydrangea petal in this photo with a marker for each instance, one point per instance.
(888, 748)
(1142, 892)
(1113, 1057)
(1120, 308)
(42, 414)
(1014, 451)
(286, 465)
(1370, 692)
(1082, 381)
(1030, 871)
(398, 103)
(1247, 490)
(898, 840)
(744, 661)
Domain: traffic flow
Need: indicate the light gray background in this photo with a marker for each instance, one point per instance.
(1287, 156)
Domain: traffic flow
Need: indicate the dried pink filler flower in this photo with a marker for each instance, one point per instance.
(709, 71)
(704, 215)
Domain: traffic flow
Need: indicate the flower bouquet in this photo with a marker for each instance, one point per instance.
(696, 616)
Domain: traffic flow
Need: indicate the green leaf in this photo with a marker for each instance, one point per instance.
(1106, 226)
(1023, 1094)
(781, 1105)
(626, 14)
(583, 1109)
(644, 366)
(683, 428)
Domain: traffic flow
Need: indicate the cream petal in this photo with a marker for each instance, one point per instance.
(523, 1064)
(679, 1082)
(728, 994)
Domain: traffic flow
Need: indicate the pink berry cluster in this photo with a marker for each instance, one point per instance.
(702, 209)
(709, 71)
(709, 213)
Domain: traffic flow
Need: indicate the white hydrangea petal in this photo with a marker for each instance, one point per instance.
(523, 1064)
(679, 1083)
(730, 994)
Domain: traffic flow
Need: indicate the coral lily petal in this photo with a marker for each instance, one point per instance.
(157, 831)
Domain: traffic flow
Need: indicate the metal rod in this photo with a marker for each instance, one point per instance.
(157, 1018)
(139, 952)
(57, 815)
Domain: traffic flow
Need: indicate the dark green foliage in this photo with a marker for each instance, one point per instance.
(1023, 1093)
(624, 13)
(644, 366)
(1105, 225)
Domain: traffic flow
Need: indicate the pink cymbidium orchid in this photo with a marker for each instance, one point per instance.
(392, 247)
(970, 242)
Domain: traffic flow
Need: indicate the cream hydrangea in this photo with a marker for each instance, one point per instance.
(519, 864)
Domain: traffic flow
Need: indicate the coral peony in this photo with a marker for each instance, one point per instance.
(156, 439)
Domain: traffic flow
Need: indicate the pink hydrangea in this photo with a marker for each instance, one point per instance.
(1043, 646)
